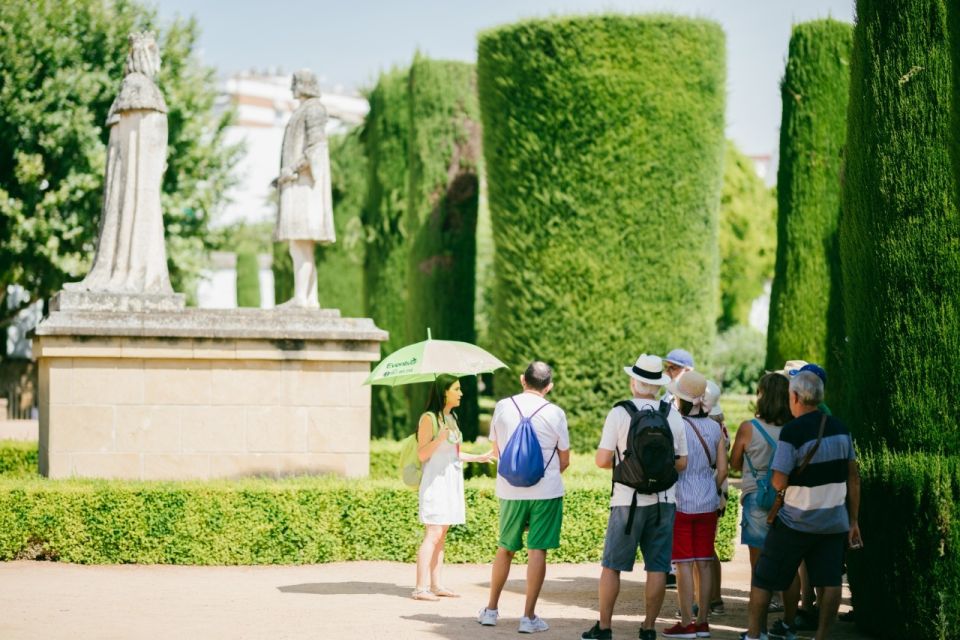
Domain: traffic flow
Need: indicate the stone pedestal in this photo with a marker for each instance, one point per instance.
(153, 392)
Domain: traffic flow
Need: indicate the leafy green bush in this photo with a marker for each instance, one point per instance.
(900, 233)
(738, 359)
(442, 215)
(385, 137)
(804, 303)
(603, 143)
(910, 562)
(248, 279)
(18, 459)
(748, 237)
(296, 521)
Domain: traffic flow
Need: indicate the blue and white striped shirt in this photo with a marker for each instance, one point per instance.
(697, 485)
(816, 500)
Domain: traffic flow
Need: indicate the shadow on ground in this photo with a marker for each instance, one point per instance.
(347, 589)
(457, 628)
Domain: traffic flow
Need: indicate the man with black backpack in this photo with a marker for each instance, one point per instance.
(645, 443)
(532, 442)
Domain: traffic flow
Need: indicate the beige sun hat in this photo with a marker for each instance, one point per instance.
(648, 369)
(711, 399)
(790, 368)
(690, 386)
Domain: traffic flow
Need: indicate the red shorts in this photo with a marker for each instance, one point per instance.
(693, 536)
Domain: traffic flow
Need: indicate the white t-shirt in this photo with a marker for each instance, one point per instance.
(614, 438)
(550, 425)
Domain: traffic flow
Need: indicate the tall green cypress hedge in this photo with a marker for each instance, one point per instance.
(603, 142)
(340, 265)
(442, 214)
(900, 232)
(248, 279)
(805, 297)
(385, 137)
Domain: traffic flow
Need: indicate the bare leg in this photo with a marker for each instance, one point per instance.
(754, 557)
(829, 604)
(609, 590)
(654, 592)
(431, 538)
(499, 575)
(806, 588)
(716, 575)
(685, 591)
(790, 598)
(536, 572)
(436, 562)
(704, 569)
(759, 601)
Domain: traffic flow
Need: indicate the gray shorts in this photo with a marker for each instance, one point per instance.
(655, 540)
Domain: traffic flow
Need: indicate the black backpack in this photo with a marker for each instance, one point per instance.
(648, 465)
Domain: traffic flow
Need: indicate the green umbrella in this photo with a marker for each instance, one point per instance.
(424, 361)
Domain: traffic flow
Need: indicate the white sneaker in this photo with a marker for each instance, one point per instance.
(532, 625)
(488, 617)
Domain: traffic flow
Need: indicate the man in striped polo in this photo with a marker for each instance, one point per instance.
(821, 502)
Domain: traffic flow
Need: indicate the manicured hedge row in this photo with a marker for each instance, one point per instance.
(306, 520)
(441, 218)
(385, 137)
(910, 563)
(248, 279)
(18, 458)
(900, 232)
(603, 144)
(815, 91)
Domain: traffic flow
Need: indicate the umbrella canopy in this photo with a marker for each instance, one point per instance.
(424, 361)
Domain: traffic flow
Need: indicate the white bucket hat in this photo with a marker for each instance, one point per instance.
(690, 387)
(649, 370)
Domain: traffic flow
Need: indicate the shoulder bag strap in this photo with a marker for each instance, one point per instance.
(813, 449)
(706, 449)
(770, 441)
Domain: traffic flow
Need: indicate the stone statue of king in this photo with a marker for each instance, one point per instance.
(305, 212)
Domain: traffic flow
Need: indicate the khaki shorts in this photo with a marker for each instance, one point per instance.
(542, 517)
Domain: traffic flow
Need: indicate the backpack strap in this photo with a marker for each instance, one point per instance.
(706, 449)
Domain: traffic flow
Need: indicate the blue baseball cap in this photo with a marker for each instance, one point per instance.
(815, 369)
(680, 357)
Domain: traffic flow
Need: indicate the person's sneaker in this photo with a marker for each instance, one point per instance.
(806, 620)
(782, 631)
(532, 625)
(717, 608)
(702, 629)
(596, 633)
(648, 634)
(763, 635)
(680, 631)
(671, 581)
(488, 617)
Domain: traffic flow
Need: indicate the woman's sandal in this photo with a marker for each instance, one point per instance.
(443, 592)
(424, 594)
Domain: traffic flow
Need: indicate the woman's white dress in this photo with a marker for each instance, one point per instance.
(441, 487)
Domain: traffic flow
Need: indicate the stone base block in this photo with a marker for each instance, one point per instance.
(285, 398)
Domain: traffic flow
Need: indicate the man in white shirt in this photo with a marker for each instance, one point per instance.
(539, 507)
(652, 525)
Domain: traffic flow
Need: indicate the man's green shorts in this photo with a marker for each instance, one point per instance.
(543, 517)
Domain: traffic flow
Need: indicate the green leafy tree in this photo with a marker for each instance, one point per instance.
(747, 237)
(603, 142)
(804, 302)
(62, 67)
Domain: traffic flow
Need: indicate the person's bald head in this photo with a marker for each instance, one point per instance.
(538, 377)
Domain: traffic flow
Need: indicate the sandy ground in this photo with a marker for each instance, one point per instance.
(40, 600)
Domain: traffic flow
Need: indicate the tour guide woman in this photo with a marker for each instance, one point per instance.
(441, 486)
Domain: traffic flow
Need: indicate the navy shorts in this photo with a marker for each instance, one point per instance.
(784, 550)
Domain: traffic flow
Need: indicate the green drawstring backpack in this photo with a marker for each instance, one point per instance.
(411, 469)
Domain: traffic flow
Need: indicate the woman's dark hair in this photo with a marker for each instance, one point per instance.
(437, 392)
(686, 407)
(773, 399)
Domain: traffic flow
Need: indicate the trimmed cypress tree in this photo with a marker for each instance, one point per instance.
(442, 214)
(603, 142)
(385, 137)
(340, 265)
(805, 316)
(747, 237)
(248, 279)
(900, 232)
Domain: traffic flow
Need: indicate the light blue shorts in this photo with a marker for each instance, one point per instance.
(753, 525)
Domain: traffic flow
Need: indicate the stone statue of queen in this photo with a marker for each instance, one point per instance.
(131, 256)
(305, 212)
